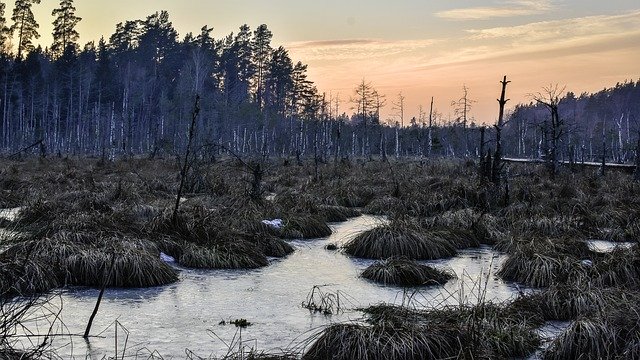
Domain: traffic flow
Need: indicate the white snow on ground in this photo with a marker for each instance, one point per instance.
(275, 223)
(9, 214)
(166, 258)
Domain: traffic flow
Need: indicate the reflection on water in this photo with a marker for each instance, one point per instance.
(186, 315)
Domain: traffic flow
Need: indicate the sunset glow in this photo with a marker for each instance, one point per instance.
(421, 48)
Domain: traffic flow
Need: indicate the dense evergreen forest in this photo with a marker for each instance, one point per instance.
(134, 93)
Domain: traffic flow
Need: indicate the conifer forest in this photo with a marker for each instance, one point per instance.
(182, 195)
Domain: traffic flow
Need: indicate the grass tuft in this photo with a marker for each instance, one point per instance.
(405, 272)
(386, 241)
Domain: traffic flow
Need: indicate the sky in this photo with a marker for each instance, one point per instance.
(419, 48)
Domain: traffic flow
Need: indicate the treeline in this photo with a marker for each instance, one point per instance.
(605, 123)
(134, 93)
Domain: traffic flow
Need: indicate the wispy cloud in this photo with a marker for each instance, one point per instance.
(353, 49)
(512, 8)
(560, 30)
(338, 42)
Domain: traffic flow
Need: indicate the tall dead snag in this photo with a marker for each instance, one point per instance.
(550, 98)
(636, 174)
(497, 158)
(430, 129)
(185, 166)
(482, 173)
(462, 107)
(603, 170)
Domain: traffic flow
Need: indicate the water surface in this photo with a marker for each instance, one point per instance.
(187, 315)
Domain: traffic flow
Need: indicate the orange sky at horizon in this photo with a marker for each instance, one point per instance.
(422, 49)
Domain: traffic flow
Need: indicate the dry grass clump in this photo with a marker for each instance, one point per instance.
(541, 262)
(333, 213)
(565, 302)
(460, 238)
(353, 341)
(386, 205)
(309, 226)
(621, 267)
(584, 339)
(396, 332)
(196, 241)
(354, 196)
(272, 246)
(556, 226)
(68, 258)
(20, 276)
(404, 272)
(612, 333)
(240, 255)
(398, 239)
(528, 267)
(130, 263)
(480, 228)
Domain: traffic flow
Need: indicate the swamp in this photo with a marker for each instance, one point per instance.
(368, 259)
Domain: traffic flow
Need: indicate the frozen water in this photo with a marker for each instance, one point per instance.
(186, 315)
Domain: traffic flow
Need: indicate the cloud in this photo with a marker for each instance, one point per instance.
(561, 30)
(355, 49)
(513, 8)
(338, 42)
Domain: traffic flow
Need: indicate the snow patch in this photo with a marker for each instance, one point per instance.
(275, 223)
(166, 258)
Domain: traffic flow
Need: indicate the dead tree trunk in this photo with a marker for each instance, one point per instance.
(185, 166)
(636, 174)
(497, 163)
(481, 168)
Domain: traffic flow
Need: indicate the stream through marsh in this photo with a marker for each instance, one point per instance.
(184, 317)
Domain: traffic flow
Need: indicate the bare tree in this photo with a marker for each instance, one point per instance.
(462, 107)
(430, 128)
(398, 105)
(365, 101)
(550, 98)
(497, 159)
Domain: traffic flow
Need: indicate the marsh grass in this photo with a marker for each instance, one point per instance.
(398, 239)
(621, 267)
(321, 301)
(332, 213)
(239, 255)
(585, 339)
(399, 332)
(272, 246)
(404, 272)
(309, 226)
(565, 302)
(134, 266)
(539, 266)
(22, 276)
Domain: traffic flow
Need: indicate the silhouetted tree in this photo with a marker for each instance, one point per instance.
(64, 28)
(24, 25)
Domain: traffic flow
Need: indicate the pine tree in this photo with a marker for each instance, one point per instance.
(25, 25)
(261, 52)
(4, 30)
(279, 80)
(64, 32)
